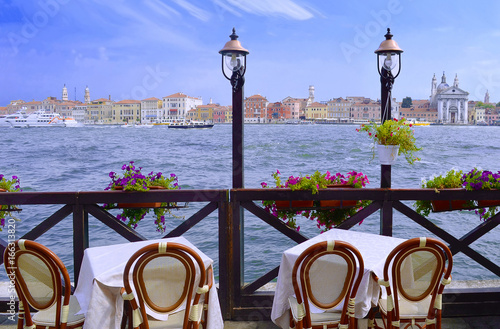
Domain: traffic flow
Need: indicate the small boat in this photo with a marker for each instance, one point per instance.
(191, 125)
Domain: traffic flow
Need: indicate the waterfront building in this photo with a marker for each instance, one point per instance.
(99, 111)
(31, 107)
(420, 110)
(480, 117)
(451, 102)
(491, 116)
(339, 110)
(64, 93)
(78, 113)
(255, 107)
(366, 110)
(126, 111)
(65, 109)
(14, 106)
(86, 97)
(176, 106)
(205, 113)
(277, 112)
(316, 111)
(221, 114)
(3, 110)
(151, 109)
(297, 107)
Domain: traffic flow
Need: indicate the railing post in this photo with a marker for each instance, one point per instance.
(237, 252)
(80, 237)
(225, 256)
(386, 210)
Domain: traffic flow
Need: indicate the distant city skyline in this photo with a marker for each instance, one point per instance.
(153, 48)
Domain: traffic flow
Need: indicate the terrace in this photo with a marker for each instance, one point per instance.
(247, 301)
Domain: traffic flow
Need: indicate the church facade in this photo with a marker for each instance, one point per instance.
(450, 101)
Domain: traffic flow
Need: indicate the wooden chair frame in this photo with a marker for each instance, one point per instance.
(395, 290)
(60, 296)
(304, 295)
(191, 261)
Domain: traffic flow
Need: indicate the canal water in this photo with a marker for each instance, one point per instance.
(80, 159)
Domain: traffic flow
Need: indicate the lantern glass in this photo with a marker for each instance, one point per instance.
(389, 61)
(234, 61)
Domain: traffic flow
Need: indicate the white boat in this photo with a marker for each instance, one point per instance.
(38, 119)
(190, 124)
(70, 122)
(6, 121)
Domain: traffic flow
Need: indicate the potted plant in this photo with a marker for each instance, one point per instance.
(483, 180)
(353, 179)
(392, 138)
(8, 185)
(134, 180)
(452, 179)
(326, 217)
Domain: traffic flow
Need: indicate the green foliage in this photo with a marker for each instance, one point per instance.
(483, 105)
(452, 179)
(134, 180)
(407, 103)
(394, 132)
(326, 218)
(8, 185)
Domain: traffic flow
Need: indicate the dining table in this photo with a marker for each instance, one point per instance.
(101, 279)
(374, 249)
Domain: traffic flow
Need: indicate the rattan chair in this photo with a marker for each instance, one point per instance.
(415, 274)
(42, 282)
(344, 269)
(170, 280)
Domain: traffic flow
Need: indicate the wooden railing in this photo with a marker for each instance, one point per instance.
(240, 301)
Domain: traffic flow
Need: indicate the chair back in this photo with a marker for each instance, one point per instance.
(166, 277)
(325, 275)
(416, 270)
(39, 276)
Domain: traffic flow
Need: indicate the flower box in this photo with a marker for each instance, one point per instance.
(488, 203)
(449, 205)
(284, 204)
(142, 204)
(338, 203)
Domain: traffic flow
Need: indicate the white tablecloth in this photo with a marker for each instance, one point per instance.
(101, 278)
(373, 248)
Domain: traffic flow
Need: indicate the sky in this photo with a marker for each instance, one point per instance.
(135, 49)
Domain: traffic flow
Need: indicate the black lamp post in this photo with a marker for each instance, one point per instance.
(389, 66)
(235, 57)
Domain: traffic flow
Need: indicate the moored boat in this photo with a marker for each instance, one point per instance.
(43, 118)
(191, 125)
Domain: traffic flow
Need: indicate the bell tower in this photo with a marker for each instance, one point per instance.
(310, 100)
(65, 93)
(86, 99)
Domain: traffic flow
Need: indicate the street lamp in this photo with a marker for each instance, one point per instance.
(389, 66)
(235, 58)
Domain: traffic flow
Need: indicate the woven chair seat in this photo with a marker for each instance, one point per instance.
(46, 317)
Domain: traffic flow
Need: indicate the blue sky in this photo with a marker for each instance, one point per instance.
(143, 48)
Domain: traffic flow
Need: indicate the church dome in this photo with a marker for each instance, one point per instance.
(442, 86)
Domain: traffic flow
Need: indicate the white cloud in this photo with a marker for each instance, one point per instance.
(285, 8)
(193, 10)
(161, 8)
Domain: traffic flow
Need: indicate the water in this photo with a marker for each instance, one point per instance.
(80, 159)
